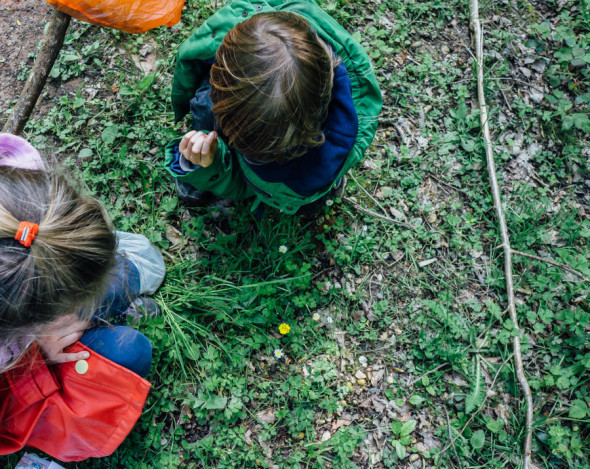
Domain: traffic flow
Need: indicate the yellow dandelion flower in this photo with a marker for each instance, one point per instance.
(284, 328)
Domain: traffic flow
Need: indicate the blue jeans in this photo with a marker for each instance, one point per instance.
(120, 344)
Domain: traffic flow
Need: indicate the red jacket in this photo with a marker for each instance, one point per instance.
(68, 415)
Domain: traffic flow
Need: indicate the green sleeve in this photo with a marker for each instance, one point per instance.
(223, 177)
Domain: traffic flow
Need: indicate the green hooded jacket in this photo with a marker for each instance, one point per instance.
(229, 176)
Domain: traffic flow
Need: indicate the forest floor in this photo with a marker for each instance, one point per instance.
(399, 337)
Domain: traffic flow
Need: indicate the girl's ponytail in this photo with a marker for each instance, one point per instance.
(8, 224)
(65, 268)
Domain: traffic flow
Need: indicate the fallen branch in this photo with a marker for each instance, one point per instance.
(50, 47)
(524, 385)
(556, 264)
(376, 215)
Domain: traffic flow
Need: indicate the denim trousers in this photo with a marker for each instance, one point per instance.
(120, 344)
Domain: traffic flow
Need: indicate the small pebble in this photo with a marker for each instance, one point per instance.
(421, 447)
(390, 380)
(363, 360)
(362, 382)
(414, 457)
(360, 375)
(326, 435)
(300, 436)
(374, 390)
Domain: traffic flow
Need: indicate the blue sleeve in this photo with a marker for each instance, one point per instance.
(175, 163)
(179, 164)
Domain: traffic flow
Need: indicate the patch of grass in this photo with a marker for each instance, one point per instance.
(390, 325)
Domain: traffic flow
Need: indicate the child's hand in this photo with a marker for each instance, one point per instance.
(59, 335)
(198, 147)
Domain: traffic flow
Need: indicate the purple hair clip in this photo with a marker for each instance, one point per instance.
(18, 153)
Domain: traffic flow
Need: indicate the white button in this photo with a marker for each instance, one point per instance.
(81, 367)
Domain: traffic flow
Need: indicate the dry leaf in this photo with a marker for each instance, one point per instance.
(340, 423)
(173, 235)
(377, 377)
(267, 416)
(427, 262)
(401, 57)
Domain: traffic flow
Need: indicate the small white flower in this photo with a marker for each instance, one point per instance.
(278, 353)
(385, 255)
(329, 202)
(329, 320)
(364, 228)
(316, 317)
(283, 249)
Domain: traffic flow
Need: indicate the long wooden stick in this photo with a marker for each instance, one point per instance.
(524, 385)
(50, 47)
(549, 261)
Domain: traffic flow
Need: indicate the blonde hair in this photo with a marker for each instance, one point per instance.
(65, 268)
(271, 86)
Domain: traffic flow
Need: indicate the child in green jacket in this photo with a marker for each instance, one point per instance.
(283, 100)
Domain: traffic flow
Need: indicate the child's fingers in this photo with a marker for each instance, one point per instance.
(206, 149)
(185, 140)
(70, 357)
(70, 339)
(196, 145)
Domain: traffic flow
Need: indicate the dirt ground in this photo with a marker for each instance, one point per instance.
(21, 28)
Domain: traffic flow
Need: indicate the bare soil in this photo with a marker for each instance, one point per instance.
(21, 28)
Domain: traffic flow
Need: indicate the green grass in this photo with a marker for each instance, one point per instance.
(428, 337)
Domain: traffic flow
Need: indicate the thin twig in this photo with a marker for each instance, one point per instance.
(401, 134)
(556, 264)
(524, 385)
(470, 53)
(444, 183)
(479, 409)
(367, 192)
(419, 378)
(376, 215)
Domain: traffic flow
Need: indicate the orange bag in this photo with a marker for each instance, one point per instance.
(134, 16)
(68, 414)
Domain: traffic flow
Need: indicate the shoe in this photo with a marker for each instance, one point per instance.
(143, 307)
(338, 190)
(192, 197)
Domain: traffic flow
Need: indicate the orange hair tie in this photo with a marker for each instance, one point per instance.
(26, 233)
